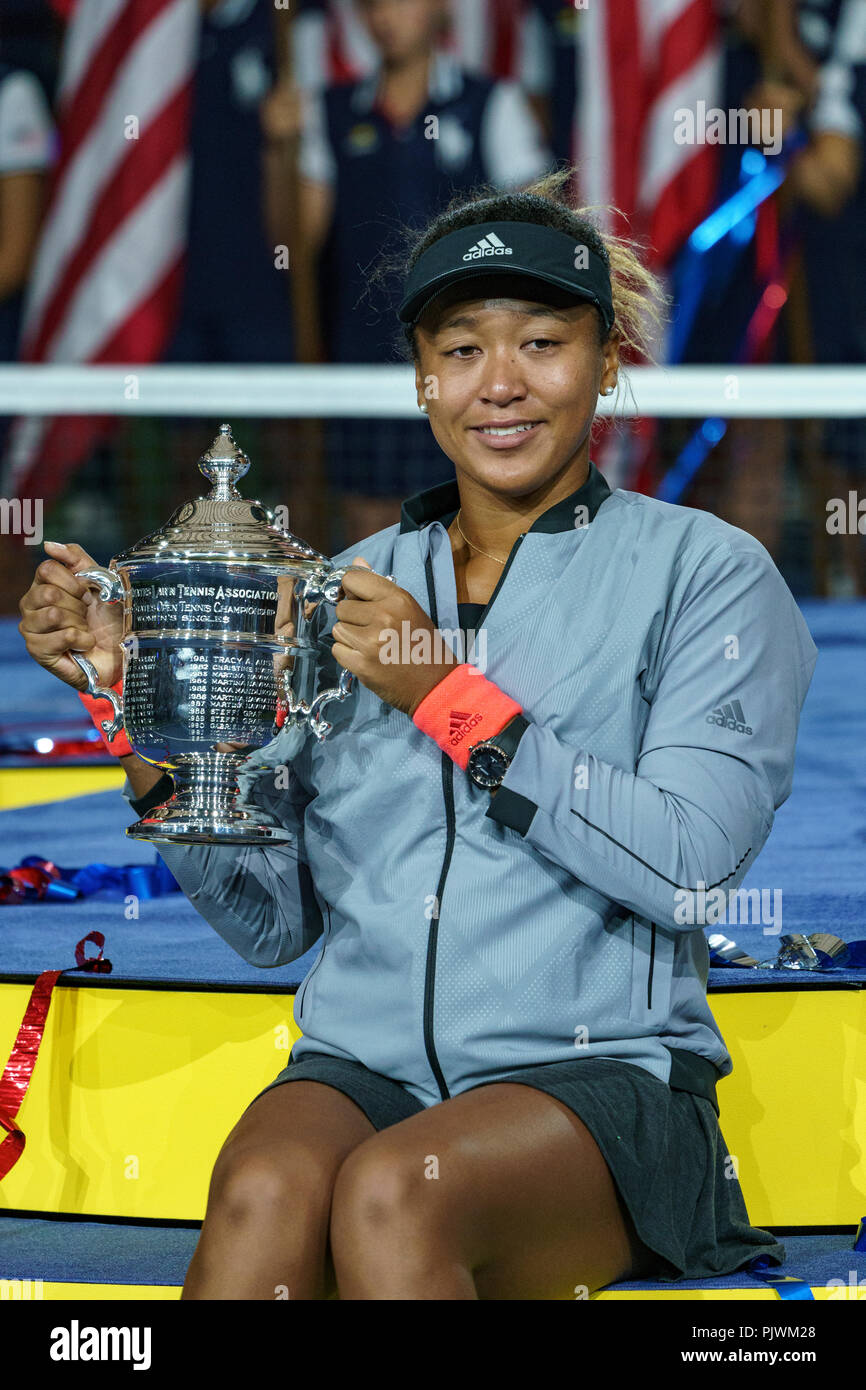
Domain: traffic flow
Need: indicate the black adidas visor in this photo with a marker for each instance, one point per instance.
(508, 249)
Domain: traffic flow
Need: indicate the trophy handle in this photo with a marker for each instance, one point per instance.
(324, 587)
(110, 591)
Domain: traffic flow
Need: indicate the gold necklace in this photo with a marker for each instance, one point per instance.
(475, 547)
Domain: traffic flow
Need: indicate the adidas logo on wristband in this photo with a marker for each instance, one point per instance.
(460, 723)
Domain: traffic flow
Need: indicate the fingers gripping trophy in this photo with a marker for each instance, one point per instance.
(222, 612)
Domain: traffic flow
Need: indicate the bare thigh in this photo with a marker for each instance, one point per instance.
(523, 1205)
(265, 1232)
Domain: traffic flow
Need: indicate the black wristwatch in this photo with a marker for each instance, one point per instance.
(490, 760)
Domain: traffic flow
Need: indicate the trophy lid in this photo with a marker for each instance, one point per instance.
(223, 525)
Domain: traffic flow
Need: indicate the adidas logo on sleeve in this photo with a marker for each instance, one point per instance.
(489, 245)
(730, 716)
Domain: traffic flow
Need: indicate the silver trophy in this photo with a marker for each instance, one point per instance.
(222, 611)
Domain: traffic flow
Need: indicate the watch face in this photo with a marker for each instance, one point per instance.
(487, 766)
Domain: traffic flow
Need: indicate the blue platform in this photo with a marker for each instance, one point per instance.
(87, 1252)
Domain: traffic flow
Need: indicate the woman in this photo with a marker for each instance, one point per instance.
(506, 1078)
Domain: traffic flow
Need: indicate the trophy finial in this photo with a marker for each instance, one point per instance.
(223, 463)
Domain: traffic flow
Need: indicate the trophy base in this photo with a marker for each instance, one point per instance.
(182, 828)
(207, 808)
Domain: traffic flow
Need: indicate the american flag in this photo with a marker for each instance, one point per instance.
(106, 277)
(639, 63)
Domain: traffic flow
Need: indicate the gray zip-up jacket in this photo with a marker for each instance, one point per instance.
(662, 663)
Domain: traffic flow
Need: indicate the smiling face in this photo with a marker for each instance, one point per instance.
(518, 382)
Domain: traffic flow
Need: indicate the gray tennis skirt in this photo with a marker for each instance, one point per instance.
(663, 1146)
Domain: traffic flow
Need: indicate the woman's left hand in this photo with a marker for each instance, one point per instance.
(369, 639)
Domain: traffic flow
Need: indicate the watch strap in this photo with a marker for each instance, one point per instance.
(506, 741)
(510, 736)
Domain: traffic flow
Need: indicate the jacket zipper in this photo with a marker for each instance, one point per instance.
(451, 830)
(318, 962)
(649, 996)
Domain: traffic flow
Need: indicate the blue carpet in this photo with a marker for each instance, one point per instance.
(168, 941)
(26, 689)
(89, 1252)
(94, 1251)
(814, 855)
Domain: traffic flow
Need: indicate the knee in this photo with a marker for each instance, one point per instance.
(255, 1186)
(379, 1191)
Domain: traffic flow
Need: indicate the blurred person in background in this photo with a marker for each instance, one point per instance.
(558, 60)
(31, 33)
(824, 57)
(375, 156)
(28, 64)
(502, 39)
(813, 56)
(26, 154)
(807, 60)
(234, 304)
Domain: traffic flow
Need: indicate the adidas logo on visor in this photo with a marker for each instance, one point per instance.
(489, 245)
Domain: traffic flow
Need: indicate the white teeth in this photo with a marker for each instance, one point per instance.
(512, 429)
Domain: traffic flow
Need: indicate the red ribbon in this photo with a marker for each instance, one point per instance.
(19, 1069)
(17, 885)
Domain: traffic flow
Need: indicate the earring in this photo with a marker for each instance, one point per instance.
(608, 390)
(423, 407)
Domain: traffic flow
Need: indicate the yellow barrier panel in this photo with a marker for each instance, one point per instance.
(52, 1292)
(793, 1111)
(135, 1091)
(33, 786)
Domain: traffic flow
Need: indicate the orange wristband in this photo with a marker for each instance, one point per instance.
(100, 709)
(463, 709)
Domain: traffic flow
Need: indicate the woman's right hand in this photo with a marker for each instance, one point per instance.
(60, 613)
